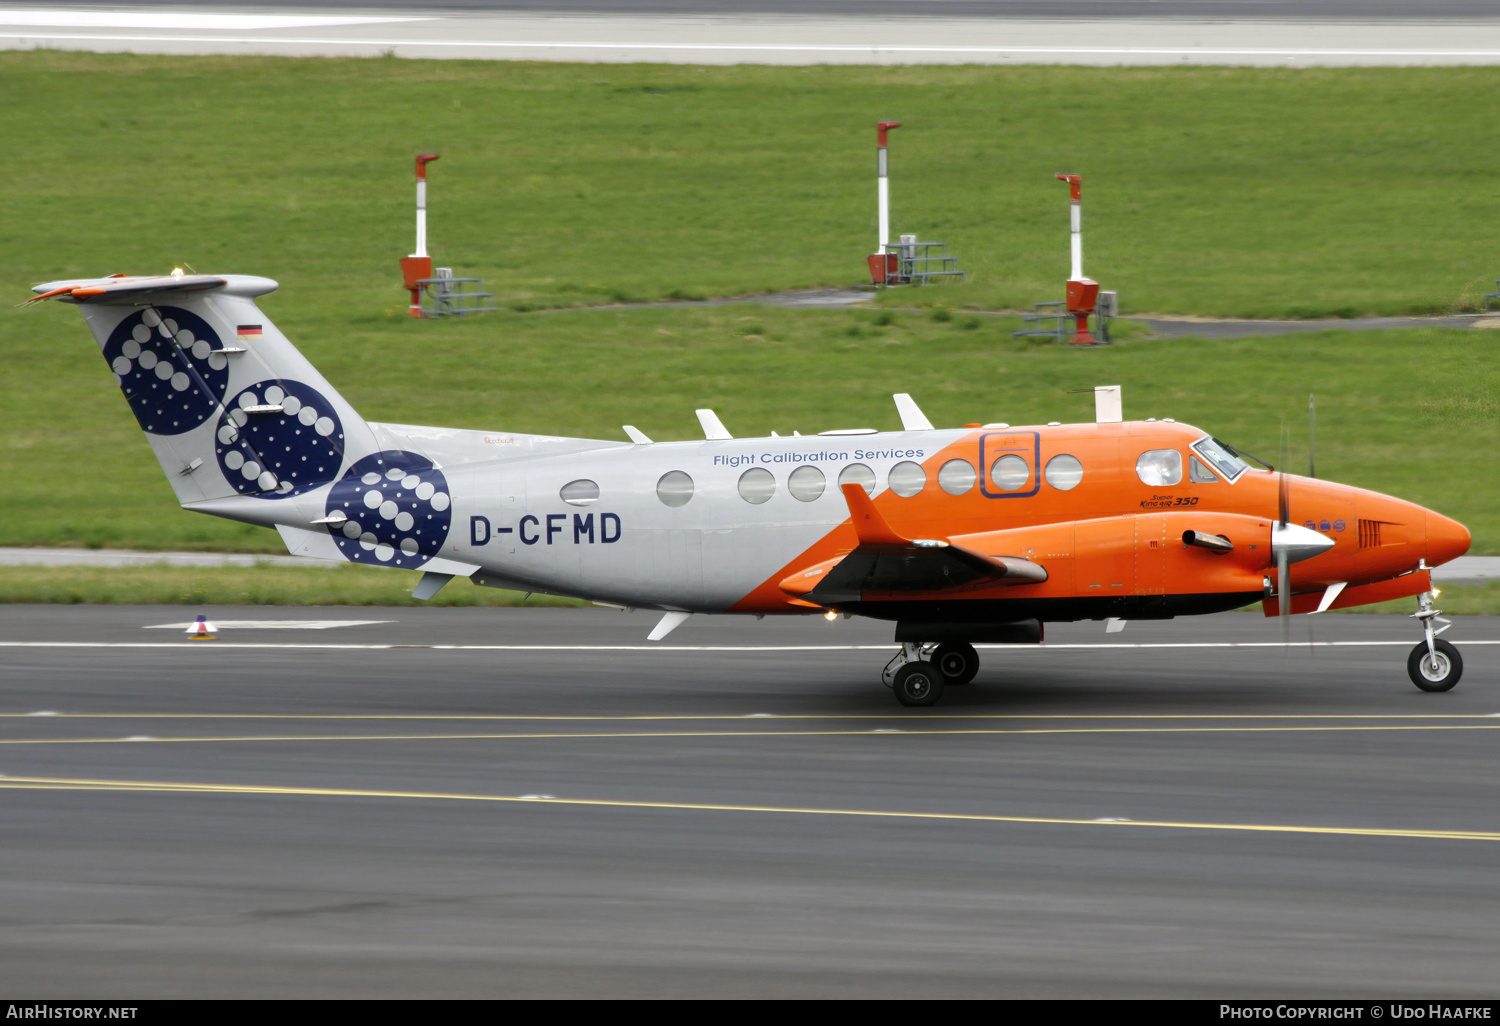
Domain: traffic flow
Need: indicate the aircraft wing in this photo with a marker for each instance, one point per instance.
(884, 561)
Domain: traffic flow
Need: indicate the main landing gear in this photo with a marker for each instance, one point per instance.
(919, 672)
(1434, 665)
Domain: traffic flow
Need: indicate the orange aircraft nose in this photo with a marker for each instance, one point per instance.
(1446, 539)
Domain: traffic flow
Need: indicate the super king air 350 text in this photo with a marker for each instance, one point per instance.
(979, 534)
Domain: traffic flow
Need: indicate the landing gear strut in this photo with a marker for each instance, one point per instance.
(1434, 665)
(919, 672)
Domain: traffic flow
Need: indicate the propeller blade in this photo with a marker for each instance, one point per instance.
(1283, 503)
(1312, 435)
(1284, 595)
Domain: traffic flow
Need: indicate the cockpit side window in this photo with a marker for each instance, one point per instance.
(1159, 467)
(1221, 457)
(1198, 473)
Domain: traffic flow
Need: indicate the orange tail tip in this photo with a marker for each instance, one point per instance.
(49, 295)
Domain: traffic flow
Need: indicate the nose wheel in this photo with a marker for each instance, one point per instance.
(1434, 665)
(1435, 670)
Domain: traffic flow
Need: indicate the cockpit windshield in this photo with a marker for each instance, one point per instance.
(1222, 456)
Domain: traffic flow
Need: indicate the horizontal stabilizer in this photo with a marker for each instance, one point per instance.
(128, 290)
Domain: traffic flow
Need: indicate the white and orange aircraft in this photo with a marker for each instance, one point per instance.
(976, 534)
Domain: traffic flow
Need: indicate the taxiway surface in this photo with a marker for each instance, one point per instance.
(452, 802)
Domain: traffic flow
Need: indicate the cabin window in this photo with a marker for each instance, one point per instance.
(907, 479)
(806, 483)
(1198, 473)
(674, 489)
(957, 477)
(858, 473)
(1063, 472)
(757, 485)
(1010, 473)
(582, 492)
(1159, 467)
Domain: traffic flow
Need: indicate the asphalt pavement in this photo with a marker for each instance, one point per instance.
(526, 802)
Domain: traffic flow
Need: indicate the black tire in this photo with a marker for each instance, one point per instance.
(956, 661)
(1450, 666)
(918, 683)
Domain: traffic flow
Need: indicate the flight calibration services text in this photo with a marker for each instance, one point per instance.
(745, 459)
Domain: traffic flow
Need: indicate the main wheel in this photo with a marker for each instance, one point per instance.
(956, 661)
(1437, 671)
(918, 683)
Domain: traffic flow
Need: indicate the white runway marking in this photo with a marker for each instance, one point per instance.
(280, 625)
(204, 646)
(71, 18)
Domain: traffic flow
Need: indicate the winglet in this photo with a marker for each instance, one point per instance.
(869, 525)
(713, 427)
(912, 417)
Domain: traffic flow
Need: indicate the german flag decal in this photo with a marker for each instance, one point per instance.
(249, 332)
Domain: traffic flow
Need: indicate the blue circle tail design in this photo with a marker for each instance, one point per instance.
(399, 510)
(165, 361)
(278, 438)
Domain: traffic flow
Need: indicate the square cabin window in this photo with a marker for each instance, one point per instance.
(1159, 467)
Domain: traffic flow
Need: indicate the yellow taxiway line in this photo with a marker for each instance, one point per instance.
(67, 784)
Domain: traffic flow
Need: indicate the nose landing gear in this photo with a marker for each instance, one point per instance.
(1434, 665)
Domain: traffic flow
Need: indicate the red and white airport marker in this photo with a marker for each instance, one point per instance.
(881, 263)
(419, 264)
(1083, 293)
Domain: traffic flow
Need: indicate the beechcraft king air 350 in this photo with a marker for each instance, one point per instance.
(978, 534)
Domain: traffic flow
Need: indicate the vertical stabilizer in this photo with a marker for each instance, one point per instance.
(246, 428)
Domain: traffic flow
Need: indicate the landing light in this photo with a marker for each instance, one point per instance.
(177, 272)
(1436, 593)
(831, 615)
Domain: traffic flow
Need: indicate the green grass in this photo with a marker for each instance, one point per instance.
(341, 585)
(1231, 192)
(1235, 192)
